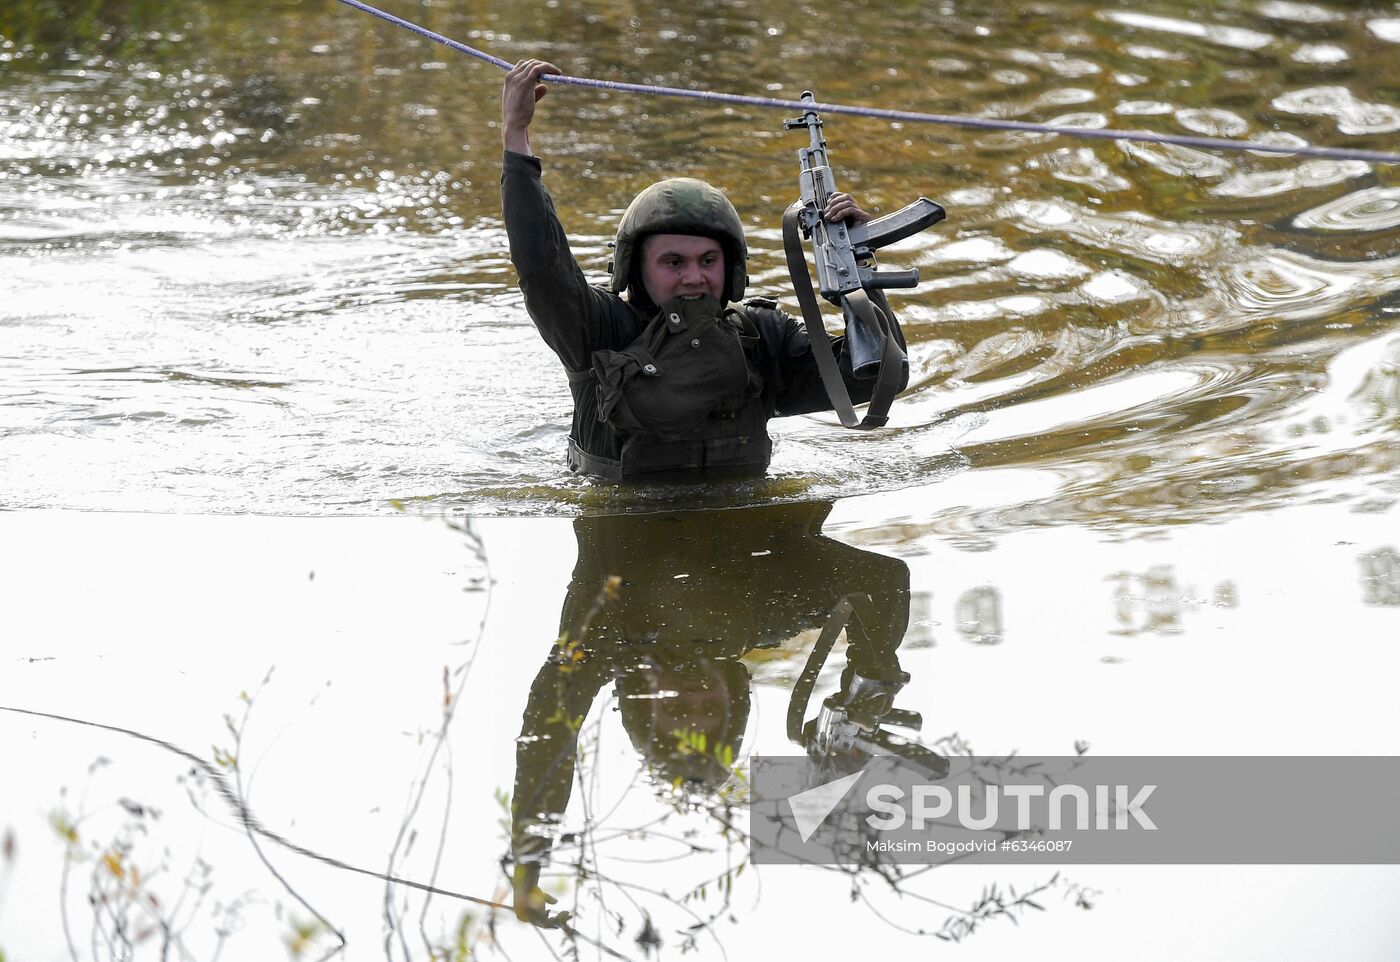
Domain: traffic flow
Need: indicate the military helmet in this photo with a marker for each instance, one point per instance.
(682, 205)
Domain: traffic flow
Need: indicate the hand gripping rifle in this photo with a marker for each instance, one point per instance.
(845, 259)
(850, 727)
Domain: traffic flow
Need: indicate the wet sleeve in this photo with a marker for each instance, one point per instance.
(802, 389)
(567, 311)
(560, 698)
(879, 587)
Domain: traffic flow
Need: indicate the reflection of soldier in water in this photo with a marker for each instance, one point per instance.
(694, 593)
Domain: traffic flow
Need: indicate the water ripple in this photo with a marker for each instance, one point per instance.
(1213, 122)
(280, 282)
(1377, 395)
(1321, 54)
(1177, 161)
(1081, 165)
(1139, 235)
(1288, 285)
(1386, 29)
(1298, 12)
(1307, 175)
(1238, 37)
(1353, 115)
(1376, 208)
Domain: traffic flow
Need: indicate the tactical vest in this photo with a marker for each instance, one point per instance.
(685, 397)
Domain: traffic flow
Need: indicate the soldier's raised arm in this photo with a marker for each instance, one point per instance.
(522, 90)
(566, 310)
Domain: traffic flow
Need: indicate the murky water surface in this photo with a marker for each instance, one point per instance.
(1139, 498)
(253, 258)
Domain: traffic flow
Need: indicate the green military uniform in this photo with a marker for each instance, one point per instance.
(698, 591)
(595, 334)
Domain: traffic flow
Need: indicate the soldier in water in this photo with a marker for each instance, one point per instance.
(671, 375)
(666, 609)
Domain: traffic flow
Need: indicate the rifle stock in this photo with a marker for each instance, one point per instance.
(863, 346)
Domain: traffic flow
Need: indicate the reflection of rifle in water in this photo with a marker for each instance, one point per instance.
(845, 273)
(850, 727)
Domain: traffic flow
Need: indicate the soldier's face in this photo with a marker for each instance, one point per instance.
(682, 265)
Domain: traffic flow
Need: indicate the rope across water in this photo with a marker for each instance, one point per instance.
(902, 116)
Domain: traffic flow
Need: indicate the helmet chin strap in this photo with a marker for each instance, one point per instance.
(638, 297)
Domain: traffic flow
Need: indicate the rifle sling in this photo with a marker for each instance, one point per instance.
(886, 382)
(836, 623)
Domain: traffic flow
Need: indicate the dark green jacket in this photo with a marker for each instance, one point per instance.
(575, 319)
(697, 586)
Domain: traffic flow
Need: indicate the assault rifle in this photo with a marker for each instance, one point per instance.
(850, 727)
(845, 259)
